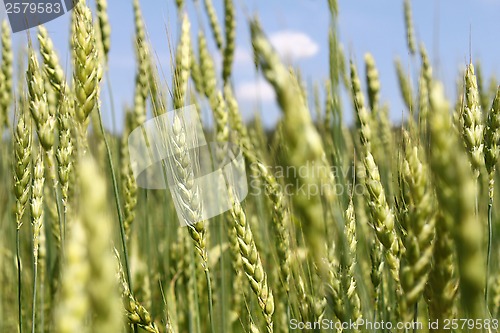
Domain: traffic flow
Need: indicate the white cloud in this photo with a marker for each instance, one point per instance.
(293, 45)
(258, 90)
(290, 45)
(242, 57)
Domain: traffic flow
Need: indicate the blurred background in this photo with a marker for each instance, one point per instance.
(452, 30)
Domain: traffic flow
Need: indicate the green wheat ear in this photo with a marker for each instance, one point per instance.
(104, 28)
(207, 68)
(22, 169)
(42, 116)
(51, 64)
(373, 83)
(214, 23)
(418, 242)
(380, 211)
(305, 147)
(102, 289)
(71, 311)
(86, 69)
(491, 139)
(456, 195)
(252, 263)
(129, 185)
(230, 45)
(182, 64)
(136, 313)
(471, 121)
(405, 86)
(410, 33)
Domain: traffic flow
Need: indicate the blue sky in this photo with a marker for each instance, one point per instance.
(299, 30)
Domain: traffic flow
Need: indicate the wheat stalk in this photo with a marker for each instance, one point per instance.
(252, 263)
(214, 23)
(22, 180)
(382, 216)
(136, 313)
(418, 241)
(410, 32)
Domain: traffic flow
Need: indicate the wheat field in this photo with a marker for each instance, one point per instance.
(373, 226)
